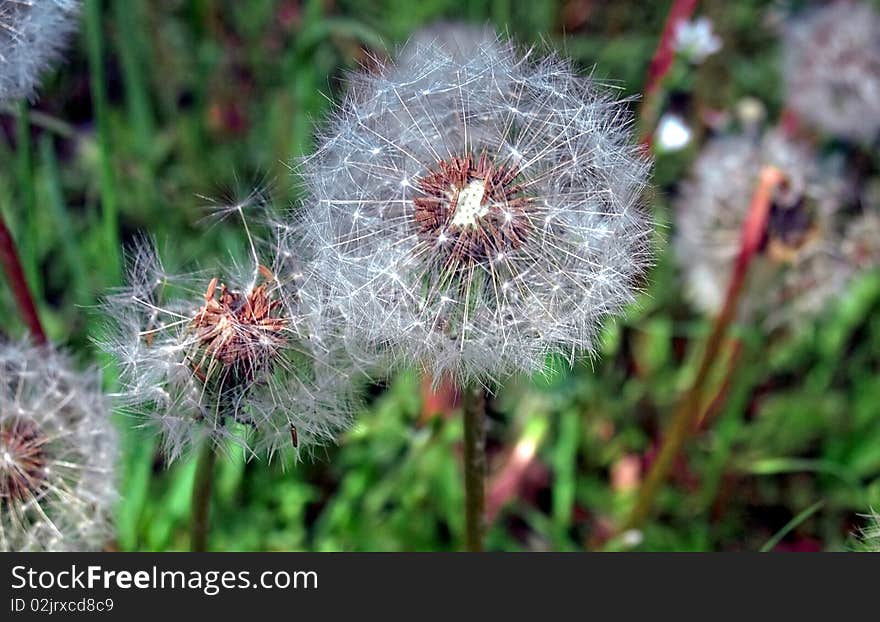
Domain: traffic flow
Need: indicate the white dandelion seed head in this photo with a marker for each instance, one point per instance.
(861, 243)
(58, 451)
(458, 40)
(832, 69)
(800, 266)
(474, 212)
(32, 35)
(234, 355)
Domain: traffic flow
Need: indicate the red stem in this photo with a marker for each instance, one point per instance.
(506, 483)
(690, 407)
(661, 63)
(18, 284)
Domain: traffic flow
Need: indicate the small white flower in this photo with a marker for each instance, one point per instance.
(58, 452)
(673, 134)
(695, 39)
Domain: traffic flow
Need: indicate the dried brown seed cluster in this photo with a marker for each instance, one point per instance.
(472, 209)
(237, 331)
(22, 461)
(792, 227)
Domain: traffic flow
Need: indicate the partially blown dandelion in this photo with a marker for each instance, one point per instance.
(57, 454)
(32, 35)
(476, 209)
(832, 69)
(802, 264)
(231, 356)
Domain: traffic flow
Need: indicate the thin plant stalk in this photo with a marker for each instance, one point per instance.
(109, 206)
(201, 499)
(474, 406)
(18, 284)
(714, 403)
(690, 408)
(27, 198)
(661, 63)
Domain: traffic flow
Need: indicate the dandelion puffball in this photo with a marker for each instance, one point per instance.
(472, 211)
(229, 356)
(57, 454)
(802, 264)
(32, 35)
(832, 69)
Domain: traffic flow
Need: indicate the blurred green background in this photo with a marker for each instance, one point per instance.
(162, 102)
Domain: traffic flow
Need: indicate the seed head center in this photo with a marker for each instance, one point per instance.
(469, 206)
(241, 331)
(471, 209)
(22, 460)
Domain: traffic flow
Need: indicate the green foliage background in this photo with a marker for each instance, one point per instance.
(163, 101)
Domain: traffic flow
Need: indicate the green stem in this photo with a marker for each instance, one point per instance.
(201, 499)
(28, 205)
(109, 206)
(474, 404)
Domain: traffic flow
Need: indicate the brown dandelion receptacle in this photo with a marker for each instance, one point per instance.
(237, 333)
(791, 227)
(22, 461)
(472, 210)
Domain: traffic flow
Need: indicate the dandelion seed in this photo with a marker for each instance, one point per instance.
(802, 264)
(236, 356)
(57, 454)
(523, 207)
(456, 39)
(832, 69)
(32, 36)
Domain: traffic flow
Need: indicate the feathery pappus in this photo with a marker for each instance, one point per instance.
(58, 452)
(473, 209)
(230, 355)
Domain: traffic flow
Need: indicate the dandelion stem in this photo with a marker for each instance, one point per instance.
(201, 499)
(690, 408)
(109, 207)
(474, 403)
(18, 284)
(661, 63)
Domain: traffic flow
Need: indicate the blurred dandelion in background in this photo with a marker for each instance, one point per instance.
(832, 69)
(233, 355)
(812, 240)
(58, 451)
(33, 34)
(473, 210)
